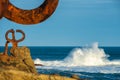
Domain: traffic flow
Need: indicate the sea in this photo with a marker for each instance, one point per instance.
(88, 62)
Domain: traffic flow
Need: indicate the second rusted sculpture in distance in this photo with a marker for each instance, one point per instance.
(13, 40)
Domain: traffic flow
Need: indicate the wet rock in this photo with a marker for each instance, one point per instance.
(75, 77)
(39, 65)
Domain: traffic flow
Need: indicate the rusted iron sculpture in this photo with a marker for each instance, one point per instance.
(13, 40)
(33, 16)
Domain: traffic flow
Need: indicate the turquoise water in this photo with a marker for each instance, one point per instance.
(87, 62)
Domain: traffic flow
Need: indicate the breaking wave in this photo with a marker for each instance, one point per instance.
(91, 59)
(92, 56)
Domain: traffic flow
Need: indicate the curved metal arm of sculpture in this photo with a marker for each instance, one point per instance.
(6, 48)
(13, 35)
(23, 36)
(13, 40)
(33, 16)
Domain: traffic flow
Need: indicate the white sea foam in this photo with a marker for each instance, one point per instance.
(92, 56)
(81, 58)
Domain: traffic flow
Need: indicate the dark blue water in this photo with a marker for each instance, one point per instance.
(51, 54)
(58, 53)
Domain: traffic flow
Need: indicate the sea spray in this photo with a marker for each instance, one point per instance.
(92, 56)
(88, 56)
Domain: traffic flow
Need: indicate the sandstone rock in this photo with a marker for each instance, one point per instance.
(19, 59)
(22, 54)
(20, 75)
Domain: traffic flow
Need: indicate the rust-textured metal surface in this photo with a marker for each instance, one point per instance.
(3, 7)
(6, 48)
(13, 40)
(33, 16)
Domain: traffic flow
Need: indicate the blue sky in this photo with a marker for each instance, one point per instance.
(74, 23)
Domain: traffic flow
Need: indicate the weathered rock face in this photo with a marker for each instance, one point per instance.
(20, 75)
(19, 59)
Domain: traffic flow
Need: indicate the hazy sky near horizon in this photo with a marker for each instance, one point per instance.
(74, 23)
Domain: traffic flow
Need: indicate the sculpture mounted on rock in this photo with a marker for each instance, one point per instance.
(19, 57)
(33, 16)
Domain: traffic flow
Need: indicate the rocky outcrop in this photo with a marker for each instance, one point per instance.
(19, 59)
(20, 66)
(20, 75)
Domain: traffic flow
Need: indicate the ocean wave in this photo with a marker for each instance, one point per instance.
(92, 56)
(91, 59)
